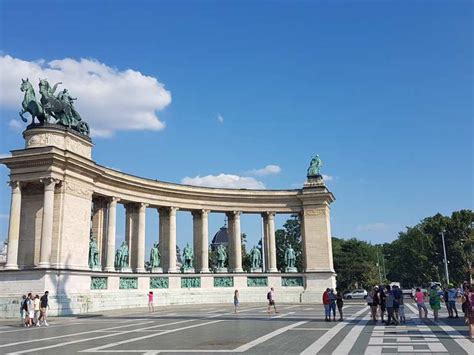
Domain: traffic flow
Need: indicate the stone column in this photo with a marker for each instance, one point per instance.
(204, 253)
(131, 232)
(99, 226)
(236, 243)
(172, 240)
(47, 227)
(163, 238)
(111, 222)
(230, 233)
(141, 238)
(266, 256)
(271, 243)
(197, 220)
(14, 227)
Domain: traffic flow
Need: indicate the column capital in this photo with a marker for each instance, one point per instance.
(49, 182)
(235, 214)
(172, 210)
(143, 205)
(15, 185)
(205, 212)
(268, 214)
(113, 200)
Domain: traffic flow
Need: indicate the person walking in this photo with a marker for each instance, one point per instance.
(151, 306)
(382, 299)
(435, 301)
(420, 302)
(452, 296)
(397, 297)
(30, 310)
(340, 304)
(271, 300)
(470, 305)
(36, 304)
(375, 303)
(326, 304)
(446, 302)
(44, 305)
(465, 301)
(236, 300)
(332, 305)
(401, 310)
(23, 310)
(389, 304)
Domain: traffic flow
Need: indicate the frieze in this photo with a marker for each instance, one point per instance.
(190, 282)
(314, 212)
(225, 281)
(159, 282)
(77, 190)
(128, 283)
(98, 283)
(292, 281)
(257, 281)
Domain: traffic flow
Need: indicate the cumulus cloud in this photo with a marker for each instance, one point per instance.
(108, 99)
(15, 125)
(220, 118)
(372, 227)
(268, 170)
(224, 181)
(327, 177)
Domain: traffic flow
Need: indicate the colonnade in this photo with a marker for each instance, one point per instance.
(135, 236)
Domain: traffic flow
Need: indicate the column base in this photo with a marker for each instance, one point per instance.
(256, 269)
(291, 269)
(273, 270)
(109, 269)
(172, 271)
(189, 271)
(238, 269)
(11, 267)
(157, 270)
(141, 269)
(126, 269)
(204, 271)
(43, 265)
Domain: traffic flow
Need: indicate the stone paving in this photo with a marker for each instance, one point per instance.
(208, 329)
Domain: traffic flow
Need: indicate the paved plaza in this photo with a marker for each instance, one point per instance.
(216, 329)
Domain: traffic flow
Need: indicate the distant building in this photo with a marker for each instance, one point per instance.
(220, 238)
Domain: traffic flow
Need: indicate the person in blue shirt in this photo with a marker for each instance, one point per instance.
(452, 296)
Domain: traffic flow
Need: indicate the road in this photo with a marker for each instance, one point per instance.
(211, 329)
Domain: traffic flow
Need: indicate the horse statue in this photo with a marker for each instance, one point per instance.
(30, 104)
(61, 107)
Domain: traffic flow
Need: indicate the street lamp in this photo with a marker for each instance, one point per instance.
(446, 272)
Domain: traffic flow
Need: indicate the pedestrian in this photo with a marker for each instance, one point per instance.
(271, 300)
(389, 304)
(332, 305)
(401, 310)
(30, 309)
(151, 307)
(382, 299)
(23, 310)
(452, 296)
(446, 302)
(340, 303)
(397, 296)
(236, 300)
(326, 304)
(470, 298)
(465, 301)
(44, 305)
(36, 304)
(435, 301)
(420, 302)
(370, 300)
(375, 303)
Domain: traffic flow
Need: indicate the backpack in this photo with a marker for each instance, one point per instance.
(269, 296)
(24, 305)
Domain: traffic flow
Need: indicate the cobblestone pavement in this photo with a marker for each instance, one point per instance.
(216, 329)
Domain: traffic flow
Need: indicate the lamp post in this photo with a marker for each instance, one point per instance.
(446, 272)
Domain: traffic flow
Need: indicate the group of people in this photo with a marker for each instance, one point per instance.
(331, 300)
(388, 299)
(33, 310)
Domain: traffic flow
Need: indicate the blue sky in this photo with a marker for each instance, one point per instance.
(381, 90)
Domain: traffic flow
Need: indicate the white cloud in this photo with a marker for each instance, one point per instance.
(268, 170)
(220, 118)
(327, 177)
(372, 227)
(108, 99)
(16, 125)
(5, 155)
(224, 181)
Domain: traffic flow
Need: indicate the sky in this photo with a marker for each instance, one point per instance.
(244, 93)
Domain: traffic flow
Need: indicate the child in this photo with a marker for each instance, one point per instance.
(151, 308)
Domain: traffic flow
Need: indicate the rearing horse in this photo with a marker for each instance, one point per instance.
(30, 104)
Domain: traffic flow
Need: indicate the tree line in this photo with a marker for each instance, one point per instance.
(414, 258)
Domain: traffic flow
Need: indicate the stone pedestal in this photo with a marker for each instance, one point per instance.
(126, 269)
(291, 269)
(96, 268)
(157, 270)
(222, 270)
(189, 271)
(257, 269)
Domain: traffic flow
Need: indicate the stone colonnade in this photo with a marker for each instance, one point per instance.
(59, 194)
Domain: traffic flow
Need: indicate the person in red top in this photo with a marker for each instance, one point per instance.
(327, 303)
(151, 306)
